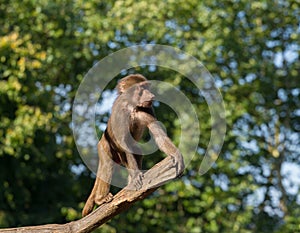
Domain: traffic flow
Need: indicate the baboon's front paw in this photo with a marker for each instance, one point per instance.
(136, 182)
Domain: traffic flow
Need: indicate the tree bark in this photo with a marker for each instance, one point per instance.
(153, 178)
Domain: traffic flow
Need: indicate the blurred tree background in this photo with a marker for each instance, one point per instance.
(250, 47)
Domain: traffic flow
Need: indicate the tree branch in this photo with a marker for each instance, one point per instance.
(153, 178)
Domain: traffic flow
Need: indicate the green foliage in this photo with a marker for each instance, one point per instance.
(250, 47)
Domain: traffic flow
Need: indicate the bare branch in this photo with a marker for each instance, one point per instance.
(153, 178)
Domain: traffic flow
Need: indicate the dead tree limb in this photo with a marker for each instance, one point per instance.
(153, 178)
